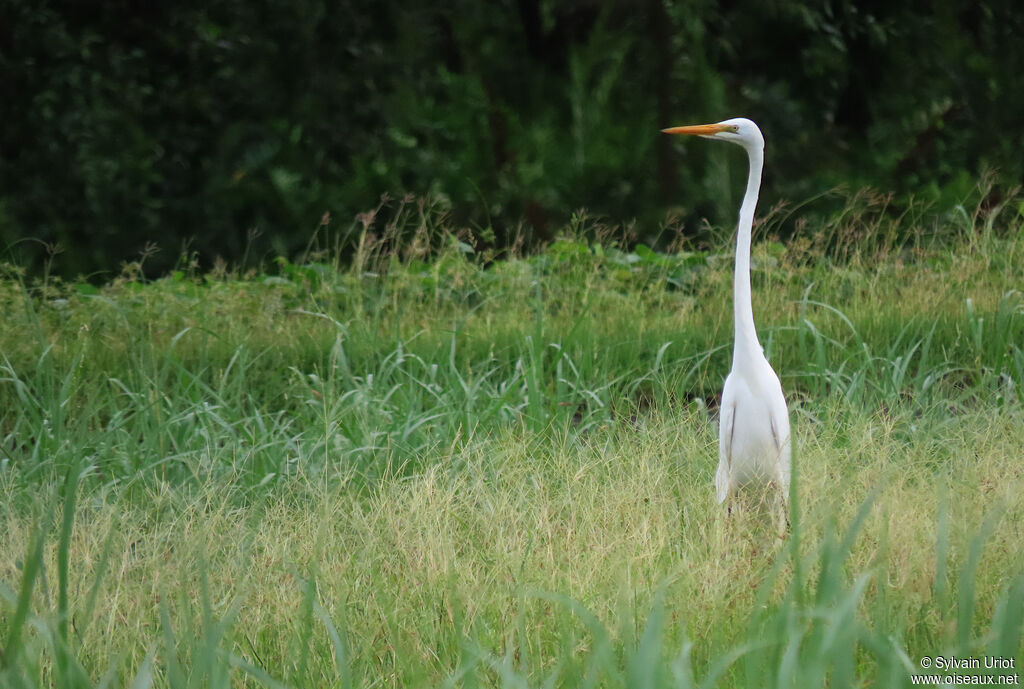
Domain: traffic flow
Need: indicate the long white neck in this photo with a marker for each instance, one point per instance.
(746, 346)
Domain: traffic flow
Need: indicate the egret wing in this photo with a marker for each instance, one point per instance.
(726, 432)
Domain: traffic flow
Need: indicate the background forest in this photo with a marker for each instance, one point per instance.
(236, 129)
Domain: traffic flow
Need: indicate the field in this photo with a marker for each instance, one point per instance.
(421, 466)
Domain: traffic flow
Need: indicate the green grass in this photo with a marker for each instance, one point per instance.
(428, 468)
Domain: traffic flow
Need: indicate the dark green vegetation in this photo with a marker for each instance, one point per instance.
(234, 127)
(428, 468)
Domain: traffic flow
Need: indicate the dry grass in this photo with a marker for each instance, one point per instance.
(466, 547)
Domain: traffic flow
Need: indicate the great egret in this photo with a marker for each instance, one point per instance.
(753, 431)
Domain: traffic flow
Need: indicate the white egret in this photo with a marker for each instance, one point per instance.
(753, 431)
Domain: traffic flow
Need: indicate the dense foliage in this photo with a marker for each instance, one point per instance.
(232, 124)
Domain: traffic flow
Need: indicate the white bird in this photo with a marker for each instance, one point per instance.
(753, 432)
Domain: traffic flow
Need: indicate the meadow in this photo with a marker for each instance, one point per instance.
(422, 466)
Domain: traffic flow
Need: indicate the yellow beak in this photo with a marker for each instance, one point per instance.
(698, 129)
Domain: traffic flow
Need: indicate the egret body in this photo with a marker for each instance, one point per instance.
(753, 431)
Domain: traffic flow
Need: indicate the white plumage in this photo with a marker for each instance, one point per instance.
(753, 433)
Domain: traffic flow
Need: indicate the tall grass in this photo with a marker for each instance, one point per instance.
(427, 467)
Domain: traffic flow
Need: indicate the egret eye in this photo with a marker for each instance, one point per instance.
(735, 128)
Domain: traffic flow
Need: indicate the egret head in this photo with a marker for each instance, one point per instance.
(738, 130)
